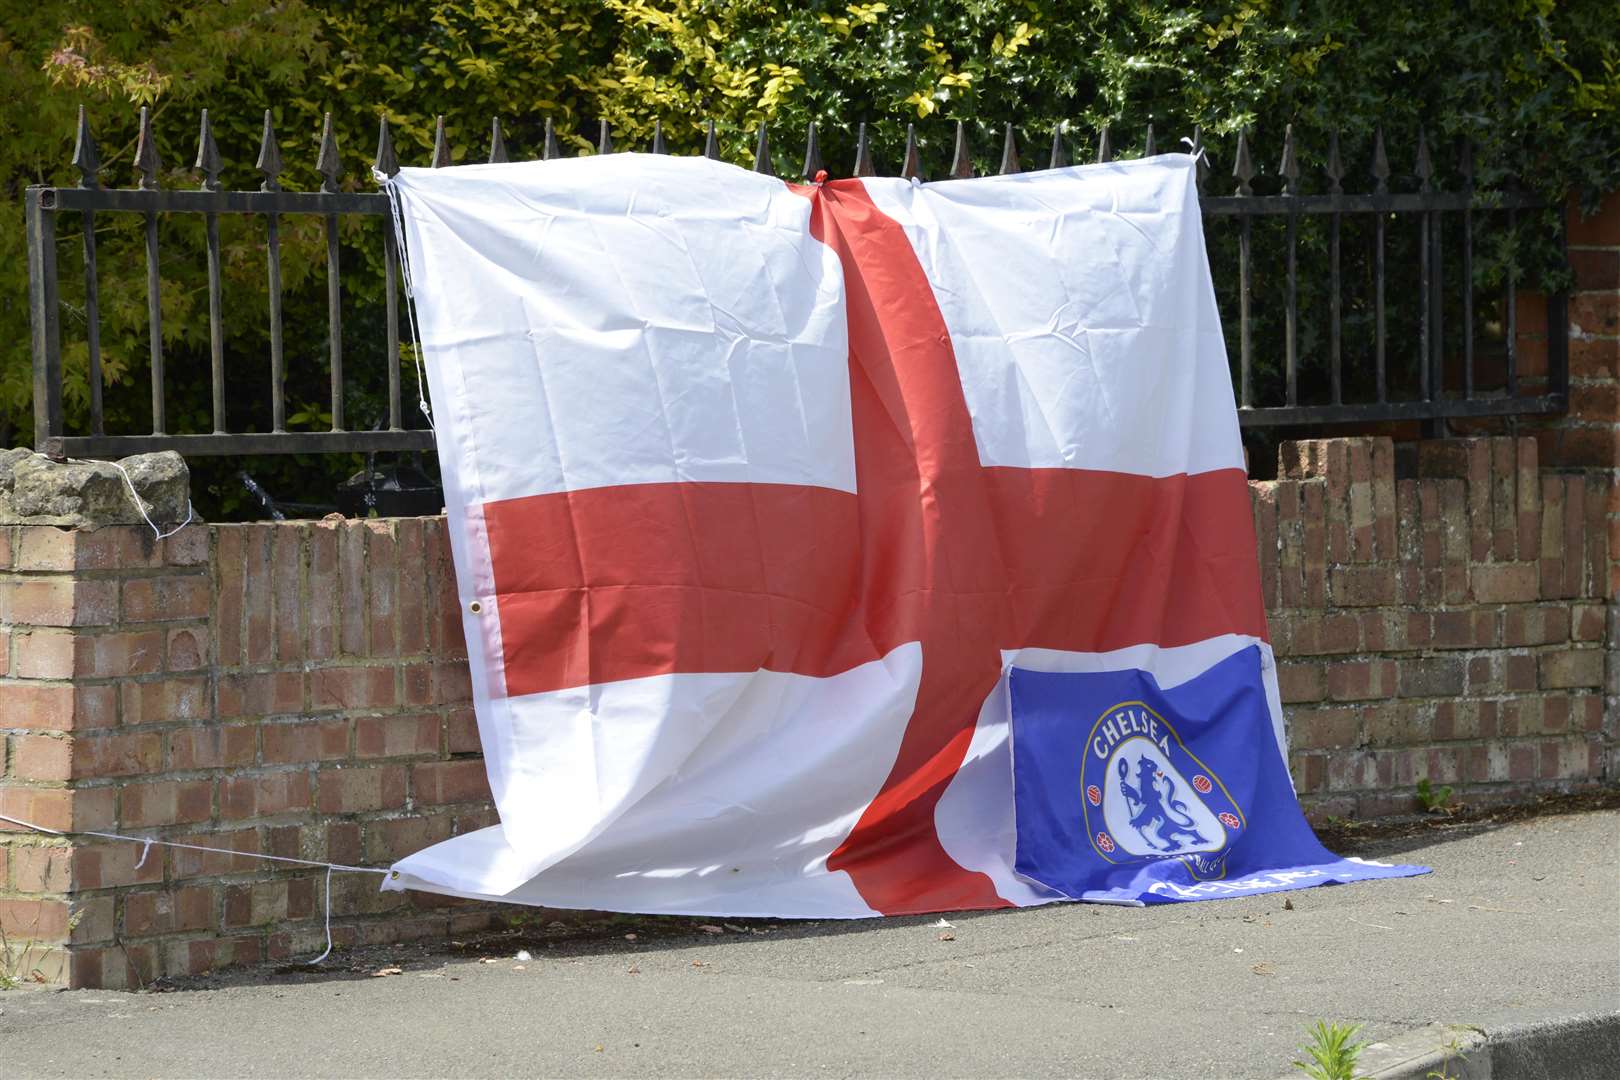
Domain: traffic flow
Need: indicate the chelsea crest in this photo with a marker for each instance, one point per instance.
(1147, 797)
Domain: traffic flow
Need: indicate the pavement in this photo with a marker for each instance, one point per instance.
(1514, 938)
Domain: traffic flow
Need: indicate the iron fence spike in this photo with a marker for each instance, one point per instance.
(1149, 149)
(658, 146)
(1423, 168)
(328, 163)
(812, 153)
(386, 161)
(1009, 152)
(911, 166)
(441, 144)
(762, 153)
(1380, 162)
(1243, 167)
(962, 157)
(550, 149)
(146, 155)
(863, 154)
(604, 138)
(497, 144)
(85, 158)
(269, 162)
(1105, 146)
(208, 162)
(1060, 155)
(1289, 169)
(1334, 167)
(711, 144)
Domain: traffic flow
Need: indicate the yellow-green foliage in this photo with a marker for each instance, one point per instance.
(1535, 83)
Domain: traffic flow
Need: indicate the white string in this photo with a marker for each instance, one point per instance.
(141, 506)
(147, 842)
(1196, 150)
(409, 281)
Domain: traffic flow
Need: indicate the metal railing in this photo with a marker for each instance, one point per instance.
(1431, 400)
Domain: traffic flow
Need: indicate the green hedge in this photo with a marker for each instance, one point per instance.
(1533, 83)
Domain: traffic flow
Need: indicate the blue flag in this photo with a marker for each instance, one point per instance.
(1126, 793)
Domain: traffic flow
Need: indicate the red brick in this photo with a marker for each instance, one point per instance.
(412, 562)
(1505, 583)
(160, 599)
(187, 649)
(321, 603)
(264, 794)
(44, 654)
(211, 746)
(168, 911)
(270, 693)
(1326, 634)
(438, 782)
(8, 545)
(1594, 313)
(258, 639)
(348, 791)
(230, 570)
(43, 868)
(1588, 622)
(41, 757)
(1576, 667)
(58, 602)
(1519, 672)
(118, 654)
(1542, 625)
(326, 740)
(1430, 677)
(353, 688)
(113, 865)
(34, 920)
(351, 589)
(1296, 682)
(382, 589)
(117, 755)
(188, 547)
(1364, 586)
(461, 732)
(287, 557)
(1594, 358)
(387, 841)
(188, 863)
(166, 701)
(438, 684)
(396, 736)
(51, 807)
(165, 802)
(56, 706)
(1361, 680)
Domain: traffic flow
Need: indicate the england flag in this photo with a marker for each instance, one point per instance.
(853, 548)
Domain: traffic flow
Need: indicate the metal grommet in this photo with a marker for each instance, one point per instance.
(475, 607)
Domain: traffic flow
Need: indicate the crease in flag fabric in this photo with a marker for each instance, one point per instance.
(823, 549)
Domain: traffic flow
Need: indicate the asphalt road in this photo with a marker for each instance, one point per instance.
(1519, 920)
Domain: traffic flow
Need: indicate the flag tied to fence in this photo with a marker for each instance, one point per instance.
(860, 548)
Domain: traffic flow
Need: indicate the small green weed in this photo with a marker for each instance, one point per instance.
(1434, 800)
(1333, 1055)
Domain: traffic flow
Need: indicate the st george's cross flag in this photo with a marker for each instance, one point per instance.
(865, 547)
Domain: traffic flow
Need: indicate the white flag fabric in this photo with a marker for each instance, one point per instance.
(759, 491)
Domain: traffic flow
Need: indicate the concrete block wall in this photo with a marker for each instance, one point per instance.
(1439, 610)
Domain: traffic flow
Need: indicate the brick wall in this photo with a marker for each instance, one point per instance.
(1439, 610)
(296, 689)
(1450, 624)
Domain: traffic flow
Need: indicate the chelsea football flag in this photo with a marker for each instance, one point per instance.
(851, 548)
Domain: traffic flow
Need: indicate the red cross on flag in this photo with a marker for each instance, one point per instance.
(758, 491)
